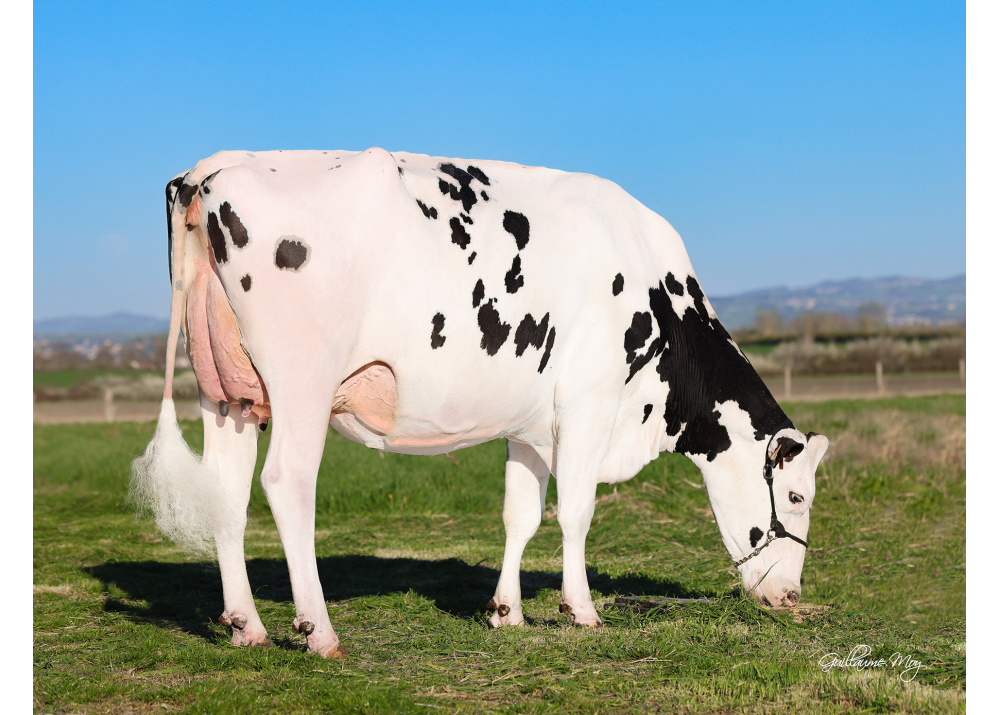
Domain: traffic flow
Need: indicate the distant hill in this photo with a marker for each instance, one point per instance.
(907, 301)
(108, 326)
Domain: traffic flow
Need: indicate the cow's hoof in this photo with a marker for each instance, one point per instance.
(581, 617)
(243, 639)
(506, 617)
(334, 651)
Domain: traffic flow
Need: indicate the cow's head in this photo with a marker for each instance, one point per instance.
(742, 506)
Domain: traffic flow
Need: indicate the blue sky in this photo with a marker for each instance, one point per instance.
(788, 143)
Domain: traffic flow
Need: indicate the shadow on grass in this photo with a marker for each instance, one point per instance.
(189, 594)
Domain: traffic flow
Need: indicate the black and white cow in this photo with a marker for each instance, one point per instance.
(420, 305)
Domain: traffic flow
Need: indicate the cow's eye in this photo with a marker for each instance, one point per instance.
(795, 498)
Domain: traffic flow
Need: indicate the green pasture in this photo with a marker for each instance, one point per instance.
(409, 553)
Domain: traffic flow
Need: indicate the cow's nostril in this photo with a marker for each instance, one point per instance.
(795, 498)
(792, 597)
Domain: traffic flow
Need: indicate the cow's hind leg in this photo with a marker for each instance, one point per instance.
(289, 480)
(524, 500)
(230, 454)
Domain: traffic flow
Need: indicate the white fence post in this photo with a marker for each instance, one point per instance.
(109, 405)
(788, 382)
(879, 381)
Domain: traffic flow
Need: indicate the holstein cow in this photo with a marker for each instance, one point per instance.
(420, 305)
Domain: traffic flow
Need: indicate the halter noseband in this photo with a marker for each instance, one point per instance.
(777, 529)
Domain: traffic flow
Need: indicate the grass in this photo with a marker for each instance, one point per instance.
(410, 549)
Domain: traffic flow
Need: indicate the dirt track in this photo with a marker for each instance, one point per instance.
(803, 390)
(819, 389)
(74, 411)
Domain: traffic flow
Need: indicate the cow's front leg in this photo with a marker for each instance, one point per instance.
(289, 480)
(584, 431)
(230, 455)
(524, 501)
(576, 510)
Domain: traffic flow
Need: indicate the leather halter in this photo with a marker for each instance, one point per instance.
(776, 526)
(777, 529)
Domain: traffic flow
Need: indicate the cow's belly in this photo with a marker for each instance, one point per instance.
(372, 408)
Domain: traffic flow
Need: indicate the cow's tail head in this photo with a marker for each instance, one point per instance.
(169, 482)
(176, 239)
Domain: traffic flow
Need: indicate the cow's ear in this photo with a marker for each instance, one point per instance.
(816, 445)
(786, 450)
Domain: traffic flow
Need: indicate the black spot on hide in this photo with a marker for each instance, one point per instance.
(467, 219)
(205, 189)
(237, 230)
(637, 335)
(290, 254)
(755, 536)
(478, 174)
(429, 212)
(485, 197)
(172, 186)
(494, 330)
(171, 191)
(530, 333)
(245, 281)
(674, 285)
(618, 285)
(699, 300)
(400, 170)
(517, 226)
(513, 279)
(459, 235)
(465, 193)
(437, 339)
(548, 349)
(472, 257)
(646, 412)
(702, 368)
(275, 170)
(217, 239)
(477, 293)
(186, 194)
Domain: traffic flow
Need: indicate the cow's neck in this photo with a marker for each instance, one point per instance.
(716, 399)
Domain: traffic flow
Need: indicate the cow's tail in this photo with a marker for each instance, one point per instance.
(169, 481)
